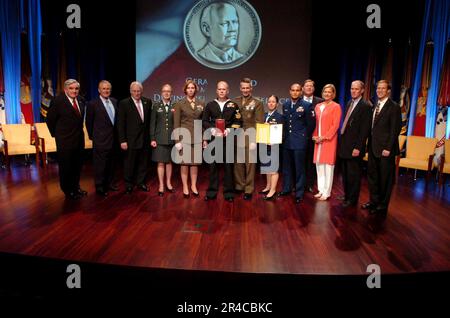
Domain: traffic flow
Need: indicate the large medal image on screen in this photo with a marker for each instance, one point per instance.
(222, 34)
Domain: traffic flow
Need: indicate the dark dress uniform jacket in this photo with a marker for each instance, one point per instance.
(161, 124)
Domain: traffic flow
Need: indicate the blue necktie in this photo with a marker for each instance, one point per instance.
(110, 110)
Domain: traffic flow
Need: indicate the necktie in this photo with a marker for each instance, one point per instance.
(349, 112)
(110, 110)
(377, 112)
(75, 106)
(139, 107)
(167, 108)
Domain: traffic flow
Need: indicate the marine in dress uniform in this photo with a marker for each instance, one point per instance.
(251, 111)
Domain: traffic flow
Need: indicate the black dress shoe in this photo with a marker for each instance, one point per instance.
(247, 196)
(143, 187)
(310, 189)
(238, 191)
(271, 198)
(209, 198)
(229, 199)
(171, 190)
(128, 190)
(196, 194)
(101, 192)
(264, 192)
(341, 198)
(113, 188)
(283, 193)
(368, 206)
(186, 196)
(298, 200)
(347, 204)
(81, 192)
(73, 196)
(161, 193)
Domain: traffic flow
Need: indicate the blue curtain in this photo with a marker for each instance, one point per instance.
(436, 12)
(34, 40)
(10, 35)
(439, 34)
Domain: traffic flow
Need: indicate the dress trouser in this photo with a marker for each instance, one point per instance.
(294, 164)
(381, 177)
(135, 166)
(70, 162)
(351, 178)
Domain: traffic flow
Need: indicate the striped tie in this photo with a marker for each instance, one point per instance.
(377, 113)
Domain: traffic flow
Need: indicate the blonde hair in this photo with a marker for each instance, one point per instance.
(333, 89)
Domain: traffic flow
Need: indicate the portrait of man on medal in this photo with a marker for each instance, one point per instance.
(222, 34)
(219, 24)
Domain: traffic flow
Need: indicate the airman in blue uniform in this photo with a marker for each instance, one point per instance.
(299, 123)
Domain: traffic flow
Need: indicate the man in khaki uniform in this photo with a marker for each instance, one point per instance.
(251, 112)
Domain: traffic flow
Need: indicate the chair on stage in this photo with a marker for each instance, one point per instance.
(444, 166)
(87, 141)
(45, 142)
(419, 155)
(17, 139)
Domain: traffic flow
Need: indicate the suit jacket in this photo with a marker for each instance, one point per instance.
(184, 117)
(385, 130)
(65, 123)
(299, 123)
(98, 124)
(211, 54)
(161, 123)
(212, 112)
(130, 126)
(356, 131)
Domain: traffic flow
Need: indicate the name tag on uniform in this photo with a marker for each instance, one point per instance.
(300, 109)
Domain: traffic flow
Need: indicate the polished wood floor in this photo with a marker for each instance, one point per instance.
(145, 230)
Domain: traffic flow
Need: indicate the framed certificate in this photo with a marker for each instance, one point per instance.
(269, 134)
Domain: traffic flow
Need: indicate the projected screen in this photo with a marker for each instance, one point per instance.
(207, 41)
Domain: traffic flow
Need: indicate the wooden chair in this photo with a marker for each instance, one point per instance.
(419, 154)
(444, 166)
(87, 142)
(17, 140)
(44, 141)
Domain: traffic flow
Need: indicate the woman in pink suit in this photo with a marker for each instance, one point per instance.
(328, 118)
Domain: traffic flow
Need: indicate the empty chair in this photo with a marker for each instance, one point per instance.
(44, 140)
(419, 154)
(18, 141)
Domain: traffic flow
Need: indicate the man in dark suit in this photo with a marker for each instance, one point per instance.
(133, 124)
(352, 145)
(299, 123)
(308, 96)
(386, 125)
(220, 108)
(65, 119)
(100, 124)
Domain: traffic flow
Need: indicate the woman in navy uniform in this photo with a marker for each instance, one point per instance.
(186, 111)
(270, 168)
(161, 126)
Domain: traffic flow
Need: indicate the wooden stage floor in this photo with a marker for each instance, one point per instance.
(254, 236)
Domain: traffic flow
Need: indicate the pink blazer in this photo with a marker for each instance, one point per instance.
(329, 121)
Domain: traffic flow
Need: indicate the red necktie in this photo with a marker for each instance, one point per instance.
(76, 107)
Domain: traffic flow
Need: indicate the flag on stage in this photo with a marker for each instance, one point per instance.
(405, 91)
(2, 102)
(386, 73)
(419, 123)
(443, 103)
(370, 76)
(26, 105)
(62, 66)
(47, 89)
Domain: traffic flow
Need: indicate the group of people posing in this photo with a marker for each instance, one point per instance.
(313, 136)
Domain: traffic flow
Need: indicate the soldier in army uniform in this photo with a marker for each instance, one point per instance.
(251, 112)
(161, 126)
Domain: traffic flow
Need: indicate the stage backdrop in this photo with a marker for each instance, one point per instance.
(268, 41)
